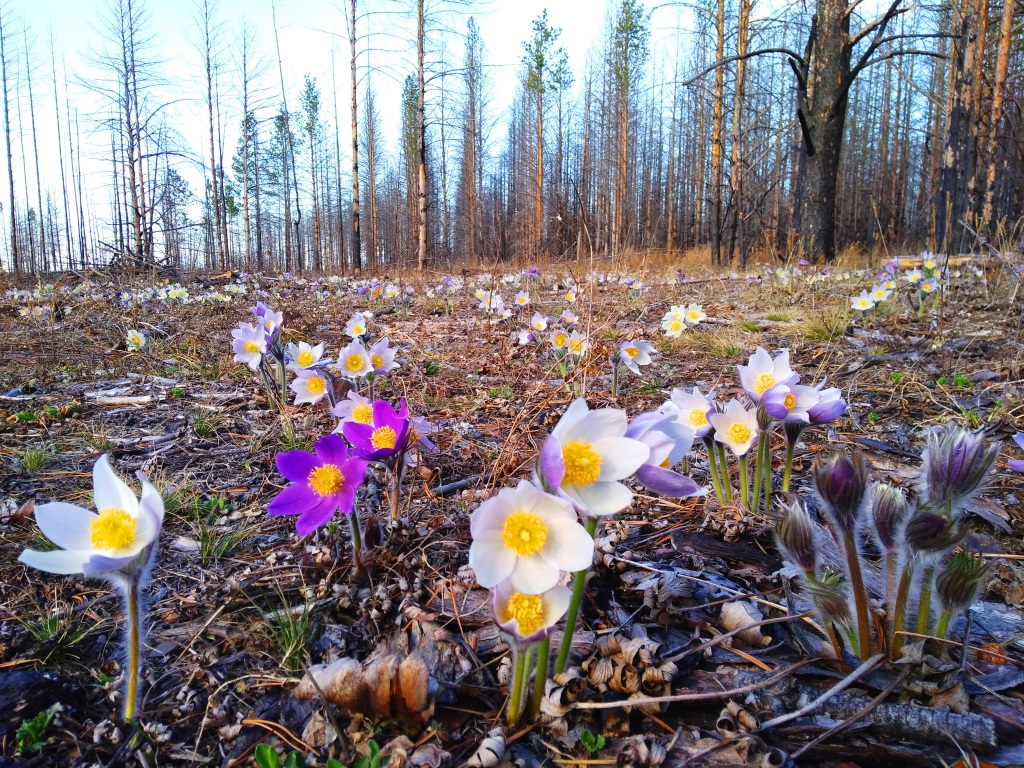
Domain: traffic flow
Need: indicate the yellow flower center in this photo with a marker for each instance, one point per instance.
(739, 433)
(269, 325)
(305, 358)
(113, 528)
(561, 339)
(354, 362)
(326, 480)
(358, 330)
(763, 383)
(576, 345)
(252, 347)
(698, 418)
(631, 352)
(376, 361)
(582, 463)
(694, 316)
(524, 533)
(316, 385)
(677, 325)
(383, 437)
(527, 610)
(789, 402)
(362, 414)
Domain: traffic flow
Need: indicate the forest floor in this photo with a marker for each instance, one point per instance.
(239, 606)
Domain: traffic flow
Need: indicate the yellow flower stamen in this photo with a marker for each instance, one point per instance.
(305, 358)
(326, 480)
(739, 433)
(316, 385)
(362, 414)
(113, 528)
(631, 352)
(561, 339)
(789, 402)
(527, 610)
(354, 362)
(376, 361)
(582, 463)
(677, 325)
(251, 347)
(524, 533)
(698, 418)
(763, 383)
(383, 437)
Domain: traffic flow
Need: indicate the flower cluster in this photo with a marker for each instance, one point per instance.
(678, 317)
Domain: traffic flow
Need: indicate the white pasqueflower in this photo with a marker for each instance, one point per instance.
(309, 386)
(633, 354)
(929, 285)
(674, 321)
(692, 409)
(354, 361)
(119, 537)
(527, 537)
(569, 317)
(355, 408)
(570, 295)
(356, 326)
(586, 456)
(136, 340)
(382, 357)
(863, 302)
(761, 373)
(529, 618)
(303, 355)
(913, 276)
(250, 342)
(695, 314)
(736, 427)
(522, 299)
(578, 344)
(559, 340)
(539, 322)
(880, 293)
(524, 337)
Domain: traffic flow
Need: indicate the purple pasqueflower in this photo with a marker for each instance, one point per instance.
(382, 357)
(830, 405)
(323, 482)
(790, 402)
(1017, 465)
(385, 437)
(668, 441)
(267, 318)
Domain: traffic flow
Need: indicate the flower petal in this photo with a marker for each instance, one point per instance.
(331, 450)
(490, 559)
(601, 498)
(552, 463)
(66, 525)
(296, 465)
(598, 425)
(62, 561)
(109, 490)
(620, 457)
(576, 411)
(316, 516)
(532, 575)
(293, 500)
(667, 482)
(568, 546)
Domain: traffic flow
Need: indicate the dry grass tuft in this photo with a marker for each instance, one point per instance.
(825, 324)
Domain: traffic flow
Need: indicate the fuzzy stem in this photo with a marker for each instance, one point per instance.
(134, 648)
(396, 485)
(357, 541)
(767, 468)
(540, 676)
(899, 614)
(709, 443)
(615, 379)
(758, 464)
(574, 607)
(790, 446)
(925, 605)
(283, 376)
(744, 482)
(726, 480)
(943, 626)
(520, 662)
(860, 595)
(890, 589)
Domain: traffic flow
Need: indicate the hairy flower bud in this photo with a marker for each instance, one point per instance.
(841, 483)
(930, 532)
(829, 595)
(956, 464)
(888, 513)
(957, 586)
(795, 537)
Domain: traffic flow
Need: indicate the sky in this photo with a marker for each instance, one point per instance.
(309, 31)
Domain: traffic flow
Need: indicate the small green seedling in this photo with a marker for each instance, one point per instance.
(31, 734)
(896, 377)
(373, 760)
(267, 757)
(591, 742)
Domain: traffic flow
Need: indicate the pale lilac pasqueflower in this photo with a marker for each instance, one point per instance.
(354, 361)
(382, 357)
(790, 403)
(529, 618)
(736, 427)
(762, 372)
(569, 318)
(559, 340)
(586, 456)
(249, 345)
(527, 537)
(830, 405)
(668, 441)
(309, 386)
(384, 437)
(323, 482)
(356, 326)
(522, 299)
(695, 314)
(303, 355)
(355, 408)
(692, 408)
(117, 539)
(1017, 465)
(524, 337)
(539, 322)
(633, 354)
(269, 320)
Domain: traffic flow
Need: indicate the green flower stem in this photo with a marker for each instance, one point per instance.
(943, 627)
(396, 485)
(790, 446)
(767, 469)
(283, 376)
(709, 443)
(615, 379)
(758, 463)
(925, 605)
(134, 648)
(744, 482)
(860, 595)
(540, 676)
(899, 614)
(357, 541)
(519, 661)
(574, 607)
(726, 480)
